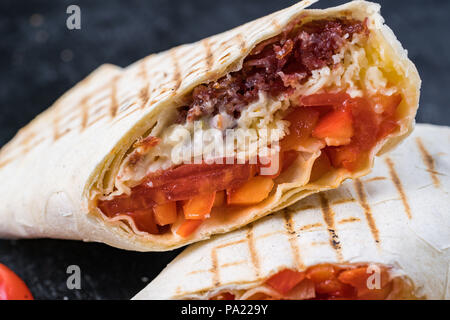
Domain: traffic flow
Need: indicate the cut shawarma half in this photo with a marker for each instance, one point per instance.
(322, 91)
(384, 236)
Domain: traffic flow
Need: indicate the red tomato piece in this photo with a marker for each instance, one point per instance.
(321, 273)
(11, 286)
(220, 199)
(144, 220)
(199, 207)
(334, 289)
(165, 213)
(187, 227)
(253, 191)
(389, 104)
(187, 181)
(347, 157)
(302, 122)
(365, 123)
(336, 127)
(285, 280)
(358, 278)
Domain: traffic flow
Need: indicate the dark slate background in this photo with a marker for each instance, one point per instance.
(40, 59)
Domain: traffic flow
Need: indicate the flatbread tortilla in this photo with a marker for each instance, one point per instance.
(397, 216)
(77, 153)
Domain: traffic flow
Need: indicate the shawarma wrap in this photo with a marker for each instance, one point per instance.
(308, 96)
(384, 236)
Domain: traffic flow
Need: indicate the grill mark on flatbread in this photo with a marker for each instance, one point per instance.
(232, 264)
(269, 234)
(376, 179)
(214, 262)
(230, 243)
(328, 217)
(398, 184)
(7, 161)
(306, 207)
(192, 71)
(56, 133)
(367, 210)
(26, 137)
(84, 113)
(37, 142)
(144, 92)
(114, 103)
(198, 271)
(242, 43)
(55, 126)
(342, 201)
(224, 57)
(253, 253)
(311, 226)
(214, 267)
(209, 55)
(292, 236)
(275, 24)
(429, 162)
(27, 142)
(319, 243)
(348, 220)
(177, 73)
(102, 116)
(124, 115)
(178, 290)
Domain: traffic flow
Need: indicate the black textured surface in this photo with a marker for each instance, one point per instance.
(40, 59)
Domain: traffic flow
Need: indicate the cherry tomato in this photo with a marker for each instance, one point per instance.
(12, 287)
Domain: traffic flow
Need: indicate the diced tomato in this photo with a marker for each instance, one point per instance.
(180, 183)
(165, 213)
(188, 227)
(346, 157)
(253, 191)
(220, 199)
(365, 123)
(302, 121)
(358, 278)
(199, 207)
(137, 200)
(334, 289)
(333, 282)
(389, 104)
(336, 127)
(144, 220)
(321, 272)
(187, 181)
(285, 280)
(11, 286)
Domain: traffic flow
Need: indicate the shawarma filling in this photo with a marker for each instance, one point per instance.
(326, 282)
(321, 84)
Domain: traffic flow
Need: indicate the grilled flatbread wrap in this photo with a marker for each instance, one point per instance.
(332, 87)
(395, 218)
